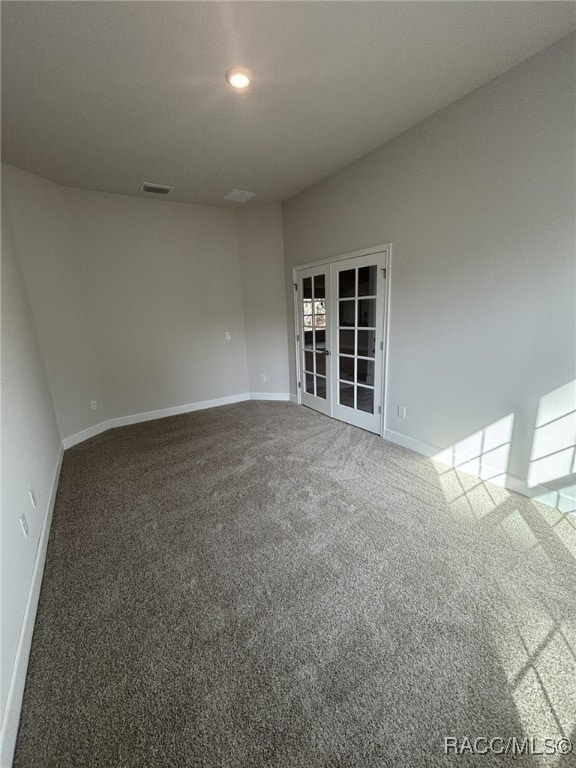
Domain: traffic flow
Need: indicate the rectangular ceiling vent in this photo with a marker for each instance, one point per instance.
(239, 195)
(156, 189)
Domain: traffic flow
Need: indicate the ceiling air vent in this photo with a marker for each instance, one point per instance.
(239, 195)
(156, 189)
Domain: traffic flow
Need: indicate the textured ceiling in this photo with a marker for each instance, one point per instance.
(105, 95)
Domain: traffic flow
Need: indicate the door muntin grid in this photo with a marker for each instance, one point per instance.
(314, 332)
(356, 337)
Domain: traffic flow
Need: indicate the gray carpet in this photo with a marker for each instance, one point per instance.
(259, 585)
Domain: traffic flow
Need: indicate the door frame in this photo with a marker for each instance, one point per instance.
(387, 250)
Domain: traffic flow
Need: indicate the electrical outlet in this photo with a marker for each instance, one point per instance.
(227, 335)
(263, 378)
(93, 405)
(32, 497)
(402, 411)
(24, 524)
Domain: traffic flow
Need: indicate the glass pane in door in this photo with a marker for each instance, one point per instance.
(367, 343)
(367, 281)
(347, 283)
(365, 399)
(346, 368)
(346, 313)
(347, 342)
(320, 339)
(347, 395)
(367, 313)
(365, 372)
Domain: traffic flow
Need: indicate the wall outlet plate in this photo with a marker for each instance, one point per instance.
(402, 411)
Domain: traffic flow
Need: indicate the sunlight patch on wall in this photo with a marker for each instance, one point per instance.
(554, 445)
(484, 454)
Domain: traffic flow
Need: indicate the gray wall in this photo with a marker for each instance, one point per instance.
(132, 299)
(53, 265)
(163, 287)
(262, 267)
(478, 202)
(30, 459)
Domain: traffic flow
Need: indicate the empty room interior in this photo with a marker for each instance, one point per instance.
(288, 391)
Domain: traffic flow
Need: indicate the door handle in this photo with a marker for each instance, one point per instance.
(326, 352)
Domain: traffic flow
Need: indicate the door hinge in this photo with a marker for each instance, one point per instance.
(379, 409)
(381, 345)
(297, 337)
(299, 385)
(295, 286)
(384, 273)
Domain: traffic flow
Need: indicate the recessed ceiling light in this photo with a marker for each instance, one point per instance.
(238, 77)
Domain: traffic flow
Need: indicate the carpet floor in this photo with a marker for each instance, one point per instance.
(258, 585)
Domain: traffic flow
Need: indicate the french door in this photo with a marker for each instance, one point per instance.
(341, 335)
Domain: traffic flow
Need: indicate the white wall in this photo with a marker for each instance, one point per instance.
(54, 269)
(478, 202)
(163, 287)
(30, 459)
(262, 270)
(133, 298)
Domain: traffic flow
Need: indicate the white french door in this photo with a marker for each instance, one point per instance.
(341, 337)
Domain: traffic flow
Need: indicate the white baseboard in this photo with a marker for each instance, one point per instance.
(426, 449)
(136, 418)
(86, 434)
(278, 396)
(162, 413)
(11, 719)
(563, 499)
(124, 421)
(293, 399)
